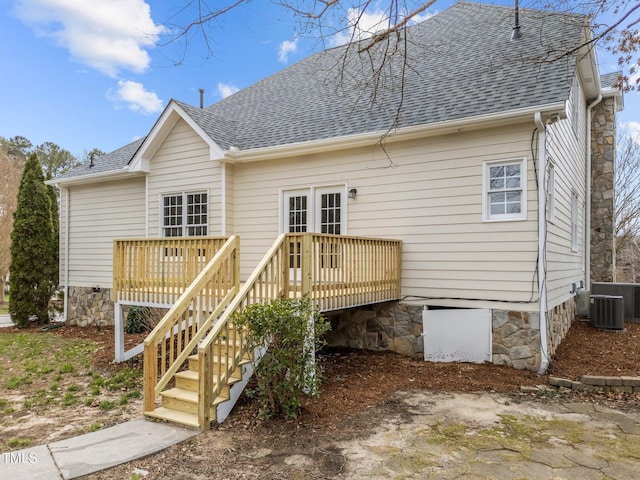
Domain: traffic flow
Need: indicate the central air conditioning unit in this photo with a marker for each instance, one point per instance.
(607, 311)
(629, 291)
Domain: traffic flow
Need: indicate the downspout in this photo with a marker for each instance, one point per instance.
(223, 194)
(66, 254)
(587, 198)
(542, 228)
(146, 206)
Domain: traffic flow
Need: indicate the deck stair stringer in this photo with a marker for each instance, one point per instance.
(179, 403)
(223, 409)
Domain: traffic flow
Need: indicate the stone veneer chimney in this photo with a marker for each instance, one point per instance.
(603, 155)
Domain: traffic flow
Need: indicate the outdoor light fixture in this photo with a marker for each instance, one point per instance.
(352, 193)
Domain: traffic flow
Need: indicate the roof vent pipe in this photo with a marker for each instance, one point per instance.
(201, 97)
(516, 34)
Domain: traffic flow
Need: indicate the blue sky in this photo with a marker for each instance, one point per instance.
(89, 74)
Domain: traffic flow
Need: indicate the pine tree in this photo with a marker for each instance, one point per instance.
(32, 249)
(54, 275)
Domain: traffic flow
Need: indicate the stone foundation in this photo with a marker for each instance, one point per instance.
(397, 327)
(559, 321)
(87, 307)
(390, 326)
(516, 339)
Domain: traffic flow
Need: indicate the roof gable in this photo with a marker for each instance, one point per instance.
(173, 112)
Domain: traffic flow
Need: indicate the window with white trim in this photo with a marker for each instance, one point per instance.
(576, 107)
(184, 214)
(504, 186)
(551, 193)
(575, 206)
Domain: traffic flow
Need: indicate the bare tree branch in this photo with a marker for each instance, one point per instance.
(627, 191)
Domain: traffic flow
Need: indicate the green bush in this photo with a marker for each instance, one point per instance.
(137, 319)
(291, 331)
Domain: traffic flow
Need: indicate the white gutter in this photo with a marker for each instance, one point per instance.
(92, 177)
(491, 120)
(587, 199)
(542, 228)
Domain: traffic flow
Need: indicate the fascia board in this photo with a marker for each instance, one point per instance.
(388, 136)
(587, 64)
(93, 178)
(162, 128)
(617, 94)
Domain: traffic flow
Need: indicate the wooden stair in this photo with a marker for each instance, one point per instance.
(180, 403)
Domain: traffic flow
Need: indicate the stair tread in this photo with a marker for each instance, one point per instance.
(175, 416)
(195, 375)
(190, 374)
(181, 394)
(222, 360)
(189, 395)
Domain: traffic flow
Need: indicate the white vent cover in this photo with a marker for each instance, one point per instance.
(457, 335)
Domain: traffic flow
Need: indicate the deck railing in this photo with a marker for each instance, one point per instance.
(339, 271)
(158, 270)
(177, 335)
(268, 281)
(332, 270)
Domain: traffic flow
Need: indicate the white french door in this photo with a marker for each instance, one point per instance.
(314, 209)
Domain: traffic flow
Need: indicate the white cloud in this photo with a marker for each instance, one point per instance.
(287, 47)
(634, 78)
(633, 128)
(137, 98)
(107, 35)
(361, 25)
(422, 17)
(224, 89)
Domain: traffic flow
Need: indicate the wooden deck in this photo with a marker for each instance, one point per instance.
(336, 272)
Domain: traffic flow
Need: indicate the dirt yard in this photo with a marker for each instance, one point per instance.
(358, 391)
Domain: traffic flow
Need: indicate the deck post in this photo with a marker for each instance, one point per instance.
(399, 270)
(236, 263)
(307, 243)
(119, 333)
(150, 376)
(205, 387)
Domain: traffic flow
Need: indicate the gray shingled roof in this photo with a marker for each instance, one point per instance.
(460, 63)
(610, 80)
(116, 160)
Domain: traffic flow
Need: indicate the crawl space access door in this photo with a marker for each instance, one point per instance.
(457, 335)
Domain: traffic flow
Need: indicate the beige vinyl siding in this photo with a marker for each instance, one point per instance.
(568, 152)
(182, 164)
(101, 212)
(427, 193)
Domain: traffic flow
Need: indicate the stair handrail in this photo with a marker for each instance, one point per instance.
(209, 391)
(225, 266)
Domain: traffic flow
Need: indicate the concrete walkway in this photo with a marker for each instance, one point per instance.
(5, 321)
(92, 452)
